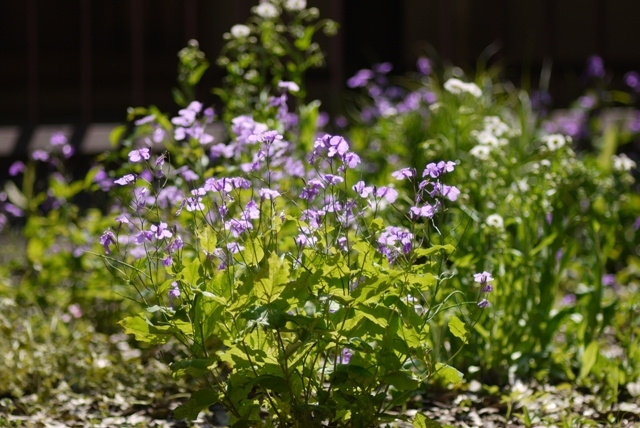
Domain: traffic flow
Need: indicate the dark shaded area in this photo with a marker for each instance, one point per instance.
(84, 61)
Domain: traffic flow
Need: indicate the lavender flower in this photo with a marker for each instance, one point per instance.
(138, 155)
(174, 292)
(107, 239)
(161, 231)
(483, 303)
(360, 79)
(345, 356)
(632, 79)
(167, 261)
(362, 190)
(58, 139)
(394, 241)
(125, 180)
(403, 173)
(16, 168)
(388, 193)
(40, 155)
(289, 86)
(483, 277)
(424, 66)
(268, 193)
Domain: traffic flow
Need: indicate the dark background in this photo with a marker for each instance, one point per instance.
(85, 61)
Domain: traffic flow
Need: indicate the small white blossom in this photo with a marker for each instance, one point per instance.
(240, 31)
(457, 86)
(495, 221)
(622, 163)
(481, 152)
(266, 10)
(295, 5)
(554, 141)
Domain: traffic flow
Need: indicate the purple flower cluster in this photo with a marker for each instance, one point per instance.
(395, 241)
(484, 278)
(188, 127)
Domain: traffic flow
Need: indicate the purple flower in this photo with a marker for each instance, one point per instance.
(311, 190)
(393, 241)
(138, 155)
(251, 211)
(122, 219)
(234, 247)
(568, 300)
(16, 168)
(595, 67)
(143, 120)
(237, 227)
(337, 145)
(431, 170)
(383, 67)
(345, 356)
(351, 159)
(58, 139)
(189, 175)
(332, 180)
(608, 279)
(360, 79)
(107, 239)
(427, 211)
(174, 292)
(125, 180)
(482, 277)
(68, 151)
(388, 193)
(483, 303)
(487, 288)
(268, 193)
(403, 173)
(161, 231)
(362, 190)
(424, 66)
(13, 210)
(449, 192)
(208, 114)
(167, 261)
(143, 235)
(632, 79)
(304, 240)
(40, 155)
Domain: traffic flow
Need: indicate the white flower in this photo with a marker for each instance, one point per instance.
(457, 86)
(495, 221)
(554, 141)
(481, 152)
(240, 31)
(622, 163)
(295, 5)
(495, 126)
(266, 10)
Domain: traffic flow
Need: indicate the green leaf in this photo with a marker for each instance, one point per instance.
(545, 243)
(304, 42)
(421, 421)
(207, 238)
(117, 134)
(196, 75)
(457, 328)
(271, 383)
(15, 195)
(198, 401)
(449, 373)
(589, 358)
(253, 252)
(527, 418)
(144, 331)
(271, 280)
(195, 367)
(401, 381)
(424, 252)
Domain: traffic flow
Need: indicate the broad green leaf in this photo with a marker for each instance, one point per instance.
(195, 367)
(198, 401)
(253, 252)
(272, 383)
(207, 238)
(457, 328)
(272, 279)
(448, 372)
(144, 331)
(207, 317)
(589, 358)
(196, 75)
(401, 381)
(117, 134)
(421, 421)
(424, 252)
(303, 42)
(190, 274)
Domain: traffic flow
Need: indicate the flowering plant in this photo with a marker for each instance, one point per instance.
(284, 281)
